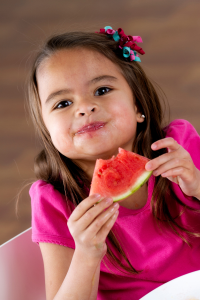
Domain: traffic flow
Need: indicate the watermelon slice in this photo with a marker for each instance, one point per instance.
(119, 176)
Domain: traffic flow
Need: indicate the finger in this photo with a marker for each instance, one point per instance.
(171, 164)
(162, 159)
(156, 162)
(101, 219)
(180, 172)
(174, 179)
(169, 143)
(84, 206)
(105, 229)
(88, 218)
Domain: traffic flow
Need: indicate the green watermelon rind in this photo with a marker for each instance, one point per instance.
(141, 180)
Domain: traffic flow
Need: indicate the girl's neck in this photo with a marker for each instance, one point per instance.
(136, 200)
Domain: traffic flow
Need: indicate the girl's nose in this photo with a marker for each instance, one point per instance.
(86, 109)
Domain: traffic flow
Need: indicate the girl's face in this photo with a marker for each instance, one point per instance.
(87, 105)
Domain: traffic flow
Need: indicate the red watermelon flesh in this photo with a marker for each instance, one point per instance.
(119, 176)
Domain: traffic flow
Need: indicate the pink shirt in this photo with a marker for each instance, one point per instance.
(161, 255)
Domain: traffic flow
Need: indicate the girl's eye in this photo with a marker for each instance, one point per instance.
(63, 104)
(101, 91)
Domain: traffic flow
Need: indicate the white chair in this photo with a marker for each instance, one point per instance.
(21, 269)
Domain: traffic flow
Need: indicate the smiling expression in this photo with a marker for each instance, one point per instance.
(87, 105)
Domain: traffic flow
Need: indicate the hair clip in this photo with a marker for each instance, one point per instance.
(126, 42)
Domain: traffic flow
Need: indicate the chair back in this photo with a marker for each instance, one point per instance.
(21, 269)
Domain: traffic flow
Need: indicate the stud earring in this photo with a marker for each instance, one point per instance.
(143, 116)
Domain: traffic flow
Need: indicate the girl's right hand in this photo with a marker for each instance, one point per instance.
(89, 225)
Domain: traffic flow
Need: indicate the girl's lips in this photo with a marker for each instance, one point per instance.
(90, 127)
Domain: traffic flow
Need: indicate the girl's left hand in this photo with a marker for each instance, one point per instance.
(177, 166)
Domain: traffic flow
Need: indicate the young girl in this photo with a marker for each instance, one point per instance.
(88, 96)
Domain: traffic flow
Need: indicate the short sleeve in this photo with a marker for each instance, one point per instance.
(50, 213)
(186, 135)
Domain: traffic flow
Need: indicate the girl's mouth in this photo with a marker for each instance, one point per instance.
(90, 127)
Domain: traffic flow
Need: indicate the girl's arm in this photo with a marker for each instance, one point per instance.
(74, 274)
(68, 276)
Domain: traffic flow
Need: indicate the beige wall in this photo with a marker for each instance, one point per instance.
(171, 33)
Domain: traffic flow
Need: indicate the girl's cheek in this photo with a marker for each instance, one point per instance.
(62, 144)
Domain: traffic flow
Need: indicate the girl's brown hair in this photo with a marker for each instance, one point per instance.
(66, 176)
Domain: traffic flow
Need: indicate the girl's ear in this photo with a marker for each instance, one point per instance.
(139, 116)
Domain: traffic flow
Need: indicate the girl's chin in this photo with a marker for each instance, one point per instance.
(102, 152)
(90, 154)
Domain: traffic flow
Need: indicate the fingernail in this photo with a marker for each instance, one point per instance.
(154, 146)
(97, 196)
(115, 214)
(148, 166)
(164, 174)
(109, 200)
